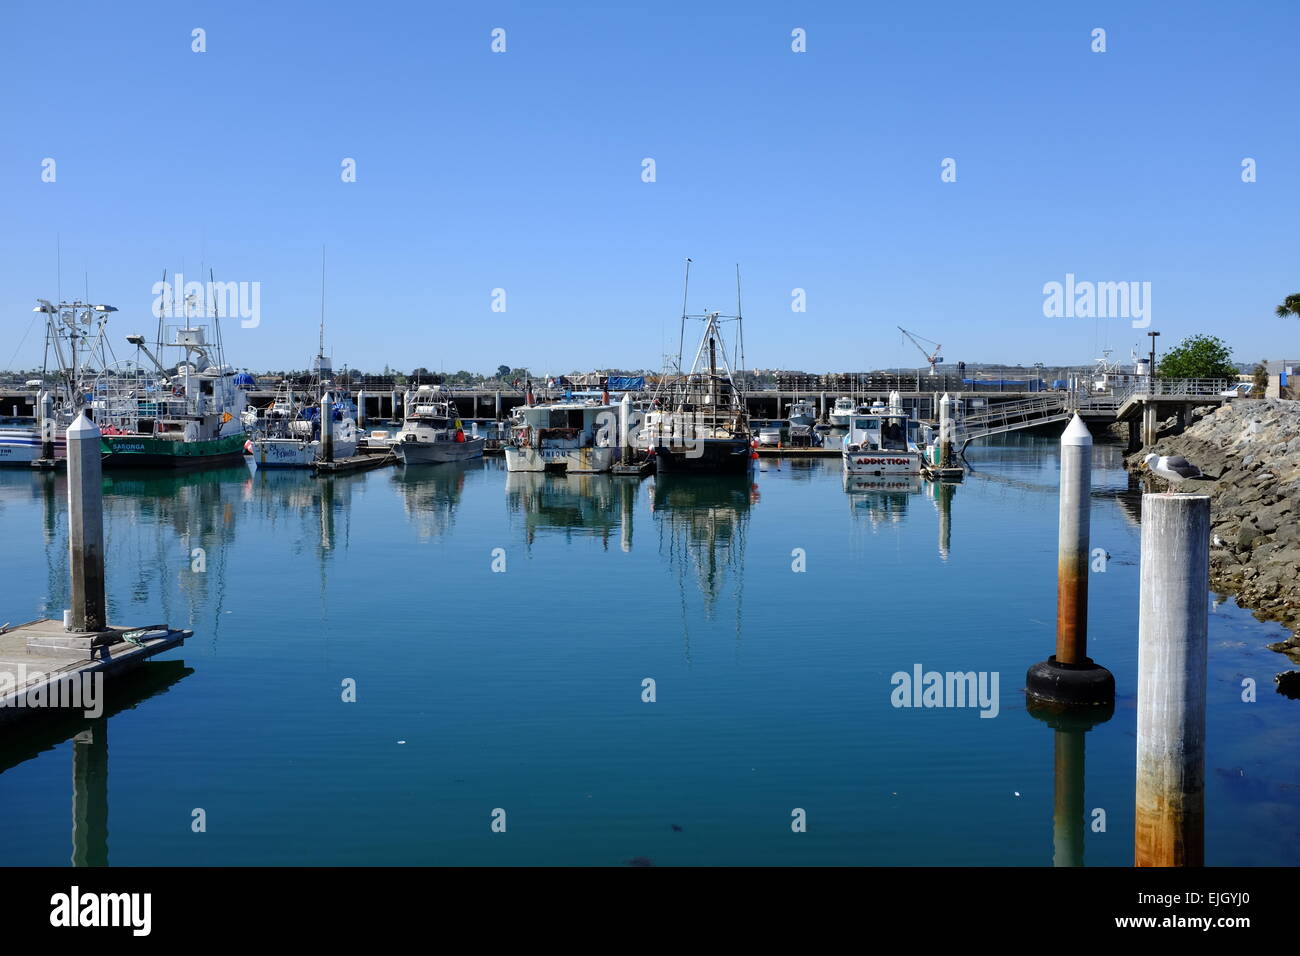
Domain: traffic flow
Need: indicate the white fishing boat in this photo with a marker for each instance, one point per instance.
(878, 442)
(802, 412)
(294, 440)
(841, 412)
(572, 436)
(432, 431)
(75, 339)
(289, 433)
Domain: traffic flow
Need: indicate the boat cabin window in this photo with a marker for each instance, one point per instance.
(893, 435)
(566, 418)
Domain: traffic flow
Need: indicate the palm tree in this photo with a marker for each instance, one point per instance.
(1290, 306)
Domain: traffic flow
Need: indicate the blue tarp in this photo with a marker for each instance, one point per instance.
(626, 383)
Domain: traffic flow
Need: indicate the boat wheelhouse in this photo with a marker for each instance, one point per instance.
(802, 412)
(432, 431)
(577, 437)
(841, 412)
(878, 443)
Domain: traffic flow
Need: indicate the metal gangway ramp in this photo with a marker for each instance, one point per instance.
(1013, 416)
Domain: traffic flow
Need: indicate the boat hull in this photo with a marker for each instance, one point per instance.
(438, 452)
(706, 456)
(144, 451)
(590, 460)
(295, 453)
(880, 464)
(19, 447)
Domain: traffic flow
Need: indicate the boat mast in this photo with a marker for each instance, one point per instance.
(740, 338)
(681, 335)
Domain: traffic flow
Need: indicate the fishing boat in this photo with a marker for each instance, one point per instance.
(289, 433)
(432, 431)
(291, 437)
(841, 412)
(699, 422)
(578, 437)
(185, 415)
(878, 442)
(802, 413)
(75, 339)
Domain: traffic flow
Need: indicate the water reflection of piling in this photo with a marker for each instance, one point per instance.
(1069, 814)
(1169, 826)
(90, 795)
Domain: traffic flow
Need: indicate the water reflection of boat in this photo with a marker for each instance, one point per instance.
(432, 495)
(703, 524)
(577, 504)
(881, 500)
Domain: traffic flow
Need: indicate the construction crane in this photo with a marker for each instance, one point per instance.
(934, 358)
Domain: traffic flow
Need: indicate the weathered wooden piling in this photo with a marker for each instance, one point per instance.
(497, 405)
(1069, 676)
(86, 525)
(1173, 623)
(327, 427)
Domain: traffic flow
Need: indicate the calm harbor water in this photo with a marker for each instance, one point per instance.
(522, 690)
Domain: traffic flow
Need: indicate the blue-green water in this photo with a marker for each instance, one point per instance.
(522, 690)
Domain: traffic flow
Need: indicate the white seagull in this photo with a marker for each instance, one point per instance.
(1174, 468)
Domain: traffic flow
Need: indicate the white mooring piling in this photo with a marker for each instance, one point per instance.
(625, 427)
(86, 525)
(945, 432)
(45, 408)
(1069, 676)
(327, 427)
(1173, 622)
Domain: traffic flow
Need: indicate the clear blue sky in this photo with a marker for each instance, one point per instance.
(522, 171)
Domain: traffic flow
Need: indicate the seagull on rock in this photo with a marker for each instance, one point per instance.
(1174, 468)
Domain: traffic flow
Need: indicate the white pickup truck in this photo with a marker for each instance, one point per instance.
(1240, 390)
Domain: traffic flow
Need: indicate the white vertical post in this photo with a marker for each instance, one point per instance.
(86, 525)
(1173, 623)
(327, 427)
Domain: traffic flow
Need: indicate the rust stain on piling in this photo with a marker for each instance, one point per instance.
(1071, 610)
(1169, 828)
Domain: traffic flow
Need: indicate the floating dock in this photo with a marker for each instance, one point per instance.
(363, 462)
(39, 660)
(809, 451)
(634, 469)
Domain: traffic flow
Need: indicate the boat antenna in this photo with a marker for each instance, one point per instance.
(681, 335)
(321, 352)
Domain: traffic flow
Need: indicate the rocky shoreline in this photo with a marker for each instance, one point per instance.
(1252, 450)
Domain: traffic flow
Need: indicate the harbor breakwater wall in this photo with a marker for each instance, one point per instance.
(1252, 450)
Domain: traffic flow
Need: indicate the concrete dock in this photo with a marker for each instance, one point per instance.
(35, 658)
